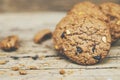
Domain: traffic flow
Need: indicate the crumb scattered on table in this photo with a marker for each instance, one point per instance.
(2, 62)
(22, 72)
(32, 67)
(62, 71)
(10, 43)
(15, 68)
(42, 35)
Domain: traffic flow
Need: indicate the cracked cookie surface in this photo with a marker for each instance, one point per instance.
(107, 12)
(82, 39)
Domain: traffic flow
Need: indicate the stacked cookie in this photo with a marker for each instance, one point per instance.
(112, 11)
(84, 34)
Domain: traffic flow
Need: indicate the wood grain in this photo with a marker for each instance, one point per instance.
(49, 63)
(42, 5)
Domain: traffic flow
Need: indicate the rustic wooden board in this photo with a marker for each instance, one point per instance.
(25, 25)
(42, 5)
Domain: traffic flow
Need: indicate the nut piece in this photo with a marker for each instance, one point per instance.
(81, 13)
(56, 47)
(67, 32)
(3, 62)
(22, 72)
(104, 39)
(15, 68)
(10, 43)
(118, 22)
(62, 72)
(32, 67)
(42, 36)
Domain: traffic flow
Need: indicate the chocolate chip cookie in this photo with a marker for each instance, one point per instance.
(88, 8)
(112, 11)
(83, 39)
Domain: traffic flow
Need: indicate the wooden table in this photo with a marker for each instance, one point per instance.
(25, 25)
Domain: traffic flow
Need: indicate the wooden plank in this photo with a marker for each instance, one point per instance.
(41, 5)
(76, 74)
(50, 56)
(49, 63)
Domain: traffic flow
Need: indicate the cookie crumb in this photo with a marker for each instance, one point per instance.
(32, 67)
(43, 35)
(22, 72)
(2, 62)
(104, 39)
(46, 64)
(15, 68)
(10, 43)
(62, 71)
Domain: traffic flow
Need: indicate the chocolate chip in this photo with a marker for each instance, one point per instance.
(93, 49)
(63, 35)
(97, 57)
(111, 17)
(79, 49)
(45, 37)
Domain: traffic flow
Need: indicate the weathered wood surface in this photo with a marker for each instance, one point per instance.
(25, 25)
(42, 5)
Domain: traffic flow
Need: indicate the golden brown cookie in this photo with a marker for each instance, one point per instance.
(83, 39)
(88, 8)
(112, 11)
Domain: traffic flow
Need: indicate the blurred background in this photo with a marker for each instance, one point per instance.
(41, 5)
